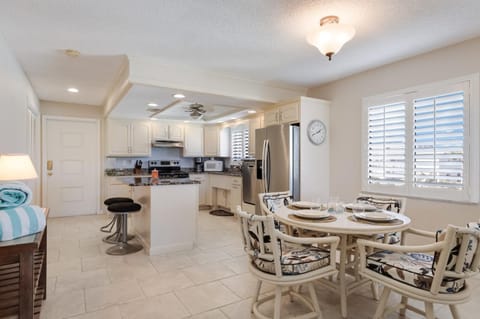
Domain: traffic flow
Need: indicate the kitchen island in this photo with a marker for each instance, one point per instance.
(168, 219)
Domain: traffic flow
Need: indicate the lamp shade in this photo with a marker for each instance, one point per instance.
(330, 36)
(16, 167)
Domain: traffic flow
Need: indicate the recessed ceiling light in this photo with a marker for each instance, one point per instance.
(233, 118)
(72, 90)
(178, 96)
(152, 104)
(252, 111)
(186, 121)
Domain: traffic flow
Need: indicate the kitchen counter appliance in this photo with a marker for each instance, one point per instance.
(213, 166)
(167, 168)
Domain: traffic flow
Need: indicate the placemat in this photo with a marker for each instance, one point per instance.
(328, 219)
(364, 221)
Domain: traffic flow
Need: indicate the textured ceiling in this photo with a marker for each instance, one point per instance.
(251, 39)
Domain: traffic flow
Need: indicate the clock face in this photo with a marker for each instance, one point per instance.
(317, 132)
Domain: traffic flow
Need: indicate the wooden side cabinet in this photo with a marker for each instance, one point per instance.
(23, 275)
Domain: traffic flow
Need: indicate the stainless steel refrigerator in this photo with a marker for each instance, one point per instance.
(277, 149)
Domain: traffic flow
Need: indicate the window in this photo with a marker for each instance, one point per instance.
(423, 141)
(239, 143)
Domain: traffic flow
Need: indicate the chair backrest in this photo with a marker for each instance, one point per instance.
(390, 203)
(260, 238)
(269, 202)
(460, 256)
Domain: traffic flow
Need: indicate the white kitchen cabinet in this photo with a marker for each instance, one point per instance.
(167, 131)
(217, 141)
(204, 198)
(283, 113)
(193, 141)
(128, 138)
(114, 187)
(253, 124)
(226, 191)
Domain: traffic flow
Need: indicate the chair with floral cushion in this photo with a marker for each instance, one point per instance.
(389, 203)
(434, 273)
(285, 261)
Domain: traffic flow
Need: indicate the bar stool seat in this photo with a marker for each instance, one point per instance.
(122, 210)
(115, 237)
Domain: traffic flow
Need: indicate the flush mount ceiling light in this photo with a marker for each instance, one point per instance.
(178, 96)
(72, 90)
(330, 36)
(152, 104)
(251, 111)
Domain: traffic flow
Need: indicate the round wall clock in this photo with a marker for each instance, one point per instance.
(317, 132)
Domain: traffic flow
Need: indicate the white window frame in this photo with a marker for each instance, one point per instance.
(471, 191)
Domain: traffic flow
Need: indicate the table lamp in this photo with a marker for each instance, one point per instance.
(14, 167)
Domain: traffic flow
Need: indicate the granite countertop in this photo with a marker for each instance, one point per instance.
(126, 172)
(228, 173)
(148, 181)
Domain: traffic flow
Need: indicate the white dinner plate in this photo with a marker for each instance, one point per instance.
(303, 204)
(375, 216)
(311, 213)
(365, 207)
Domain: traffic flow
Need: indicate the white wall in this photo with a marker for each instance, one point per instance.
(16, 94)
(70, 109)
(345, 115)
(314, 159)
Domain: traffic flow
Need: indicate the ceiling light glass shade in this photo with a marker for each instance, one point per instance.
(196, 115)
(16, 167)
(330, 36)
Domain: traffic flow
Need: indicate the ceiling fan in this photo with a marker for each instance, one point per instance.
(196, 111)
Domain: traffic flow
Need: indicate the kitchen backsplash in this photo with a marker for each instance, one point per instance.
(157, 154)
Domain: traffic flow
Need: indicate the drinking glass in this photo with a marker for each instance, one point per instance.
(332, 205)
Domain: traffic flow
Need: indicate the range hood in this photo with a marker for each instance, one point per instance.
(166, 143)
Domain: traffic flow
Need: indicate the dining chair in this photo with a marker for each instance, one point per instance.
(388, 203)
(432, 273)
(285, 261)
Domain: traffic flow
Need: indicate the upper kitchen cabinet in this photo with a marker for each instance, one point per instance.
(217, 141)
(128, 138)
(193, 141)
(167, 131)
(282, 113)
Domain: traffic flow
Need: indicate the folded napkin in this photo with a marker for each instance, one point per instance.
(21, 221)
(14, 195)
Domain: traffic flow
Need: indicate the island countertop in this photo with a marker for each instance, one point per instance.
(148, 181)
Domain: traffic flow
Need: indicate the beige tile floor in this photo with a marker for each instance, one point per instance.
(209, 282)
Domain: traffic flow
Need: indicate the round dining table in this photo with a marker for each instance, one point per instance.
(346, 226)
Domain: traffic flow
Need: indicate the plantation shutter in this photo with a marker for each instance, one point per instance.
(239, 144)
(438, 148)
(386, 144)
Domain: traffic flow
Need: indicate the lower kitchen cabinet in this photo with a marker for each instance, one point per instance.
(114, 187)
(226, 191)
(204, 197)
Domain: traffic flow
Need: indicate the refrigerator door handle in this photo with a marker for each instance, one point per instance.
(267, 167)
(264, 166)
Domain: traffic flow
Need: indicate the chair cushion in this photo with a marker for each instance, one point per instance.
(124, 208)
(414, 269)
(114, 200)
(273, 202)
(296, 260)
(454, 249)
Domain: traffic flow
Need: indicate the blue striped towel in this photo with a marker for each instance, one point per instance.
(21, 221)
(14, 195)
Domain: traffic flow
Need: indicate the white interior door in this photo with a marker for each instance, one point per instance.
(71, 164)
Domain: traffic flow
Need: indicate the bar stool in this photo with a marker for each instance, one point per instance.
(115, 237)
(122, 210)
